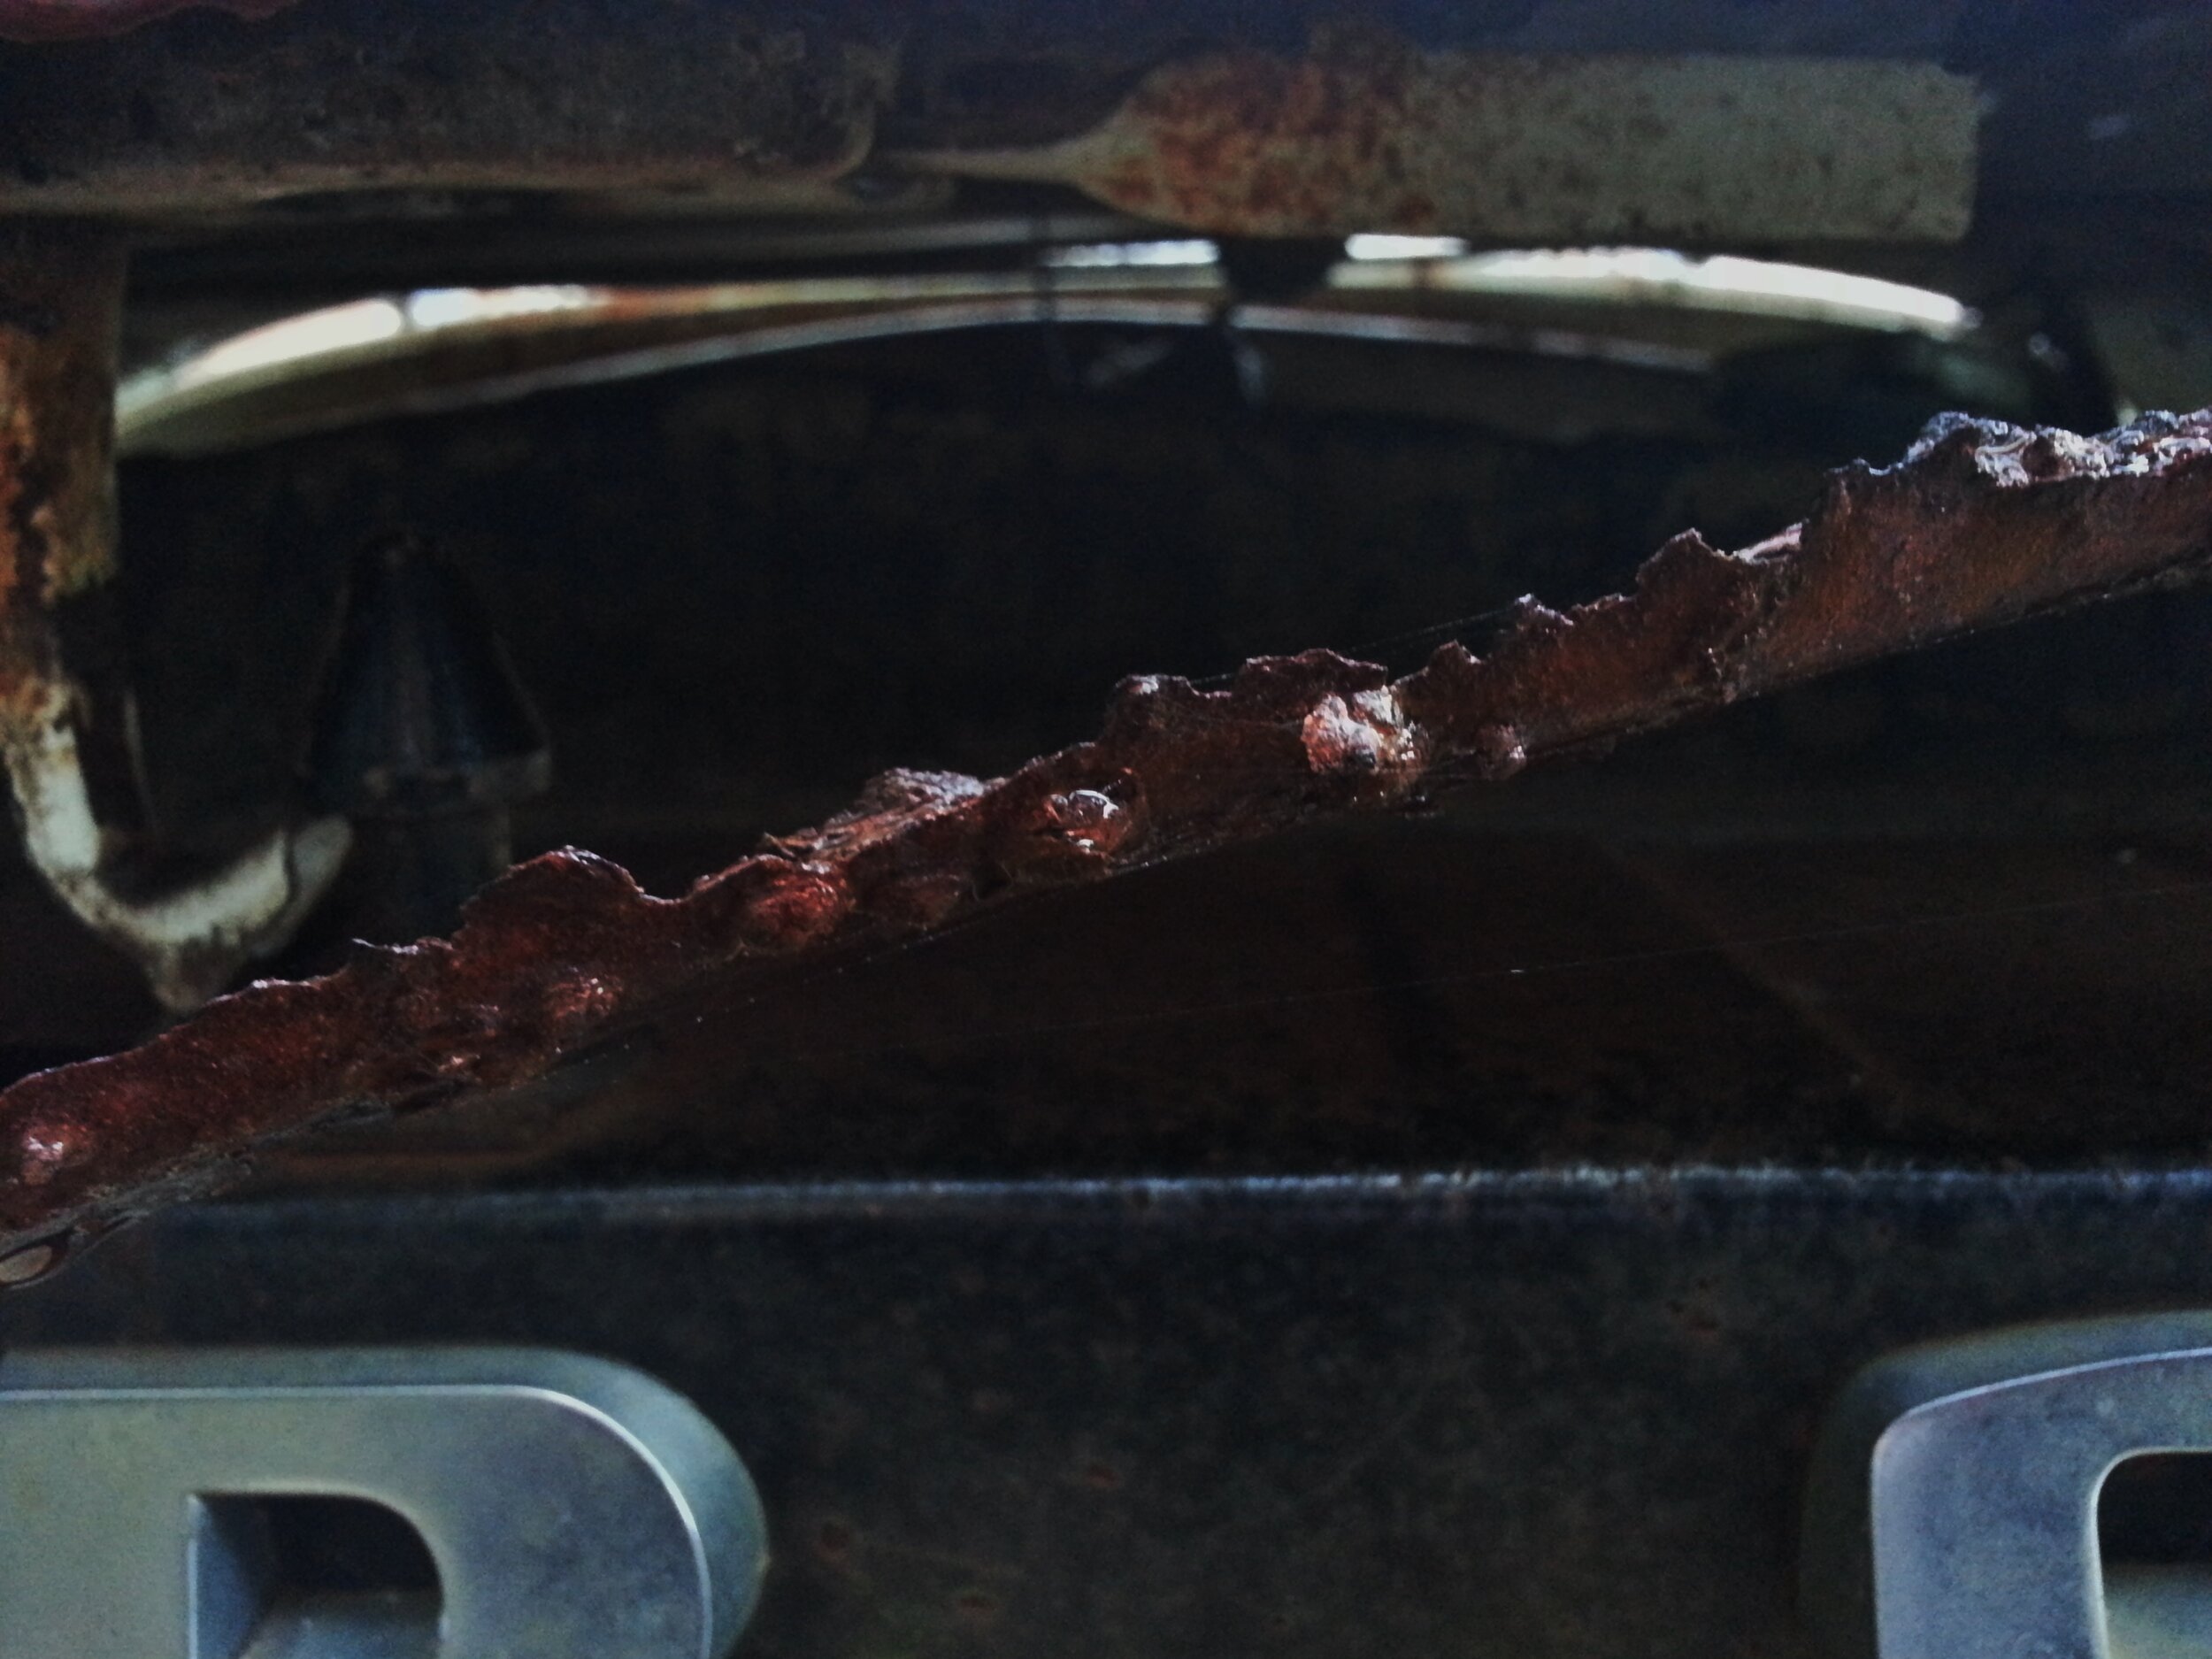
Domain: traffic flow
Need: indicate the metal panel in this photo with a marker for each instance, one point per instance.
(1552, 1413)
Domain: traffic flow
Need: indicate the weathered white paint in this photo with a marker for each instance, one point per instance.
(190, 939)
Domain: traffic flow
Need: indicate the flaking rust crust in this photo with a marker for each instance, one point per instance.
(1981, 525)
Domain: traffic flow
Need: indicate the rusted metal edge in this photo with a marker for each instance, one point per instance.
(1981, 525)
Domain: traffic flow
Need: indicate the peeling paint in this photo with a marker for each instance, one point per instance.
(188, 940)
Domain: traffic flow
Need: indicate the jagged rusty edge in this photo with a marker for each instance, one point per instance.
(1982, 524)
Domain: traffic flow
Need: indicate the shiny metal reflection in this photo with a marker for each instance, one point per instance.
(572, 1506)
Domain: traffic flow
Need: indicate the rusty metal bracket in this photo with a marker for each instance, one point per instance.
(1981, 525)
(1364, 133)
(68, 724)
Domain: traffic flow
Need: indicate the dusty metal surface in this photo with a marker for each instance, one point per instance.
(1983, 524)
(679, 105)
(68, 724)
(195, 114)
(1492, 1415)
(1372, 135)
(1364, 130)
